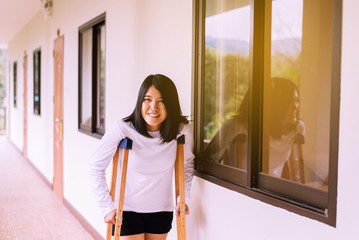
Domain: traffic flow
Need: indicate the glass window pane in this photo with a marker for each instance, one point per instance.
(15, 82)
(100, 123)
(37, 67)
(226, 78)
(86, 80)
(296, 114)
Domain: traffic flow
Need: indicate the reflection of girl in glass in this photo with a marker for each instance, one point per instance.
(223, 148)
(282, 124)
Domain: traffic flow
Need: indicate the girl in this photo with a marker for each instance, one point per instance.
(153, 126)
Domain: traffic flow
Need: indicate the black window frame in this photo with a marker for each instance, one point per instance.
(256, 184)
(94, 24)
(15, 83)
(37, 107)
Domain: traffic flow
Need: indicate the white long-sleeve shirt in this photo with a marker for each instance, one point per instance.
(280, 149)
(149, 172)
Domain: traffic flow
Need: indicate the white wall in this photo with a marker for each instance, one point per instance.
(166, 42)
(155, 36)
(16, 113)
(348, 198)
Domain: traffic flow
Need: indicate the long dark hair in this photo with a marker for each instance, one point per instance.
(170, 126)
(281, 97)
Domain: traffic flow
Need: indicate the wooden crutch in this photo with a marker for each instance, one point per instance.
(126, 145)
(295, 161)
(180, 189)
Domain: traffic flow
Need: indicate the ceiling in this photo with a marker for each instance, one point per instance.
(14, 15)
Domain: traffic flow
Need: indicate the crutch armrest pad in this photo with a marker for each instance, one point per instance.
(181, 139)
(125, 143)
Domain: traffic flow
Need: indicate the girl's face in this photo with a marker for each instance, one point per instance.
(153, 109)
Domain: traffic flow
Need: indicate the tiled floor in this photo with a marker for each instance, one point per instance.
(28, 208)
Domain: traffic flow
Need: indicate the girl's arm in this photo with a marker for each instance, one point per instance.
(188, 159)
(99, 162)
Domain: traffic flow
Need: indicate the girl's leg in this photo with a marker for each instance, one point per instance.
(133, 237)
(150, 236)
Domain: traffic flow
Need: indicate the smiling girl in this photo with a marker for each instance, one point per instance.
(154, 126)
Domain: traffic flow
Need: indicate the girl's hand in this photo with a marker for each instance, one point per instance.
(111, 217)
(177, 210)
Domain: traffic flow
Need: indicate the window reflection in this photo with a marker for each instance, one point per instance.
(229, 144)
(226, 81)
(37, 81)
(283, 128)
(296, 90)
(296, 100)
(15, 82)
(92, 64)
(86, 81)
(101, 83)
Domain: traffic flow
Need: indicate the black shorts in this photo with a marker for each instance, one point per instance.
(137, 223)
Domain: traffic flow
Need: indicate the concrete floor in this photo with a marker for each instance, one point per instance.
(28, 207)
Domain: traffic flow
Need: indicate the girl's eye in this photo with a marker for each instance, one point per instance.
(146, 99)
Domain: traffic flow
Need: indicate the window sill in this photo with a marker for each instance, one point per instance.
(92, 134)
(272, 199)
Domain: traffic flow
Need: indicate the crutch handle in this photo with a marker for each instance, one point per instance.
(125, 143)
(181, 140)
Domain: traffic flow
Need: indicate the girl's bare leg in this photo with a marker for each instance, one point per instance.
(134, 237)
(150, 236)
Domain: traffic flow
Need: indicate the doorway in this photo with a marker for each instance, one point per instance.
(58, 116)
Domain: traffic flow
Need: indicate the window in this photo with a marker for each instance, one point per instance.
(92, 54)
(267, 100)
(15, 82)
(37, 82)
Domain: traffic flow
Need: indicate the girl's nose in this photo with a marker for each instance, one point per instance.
(153, 105)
